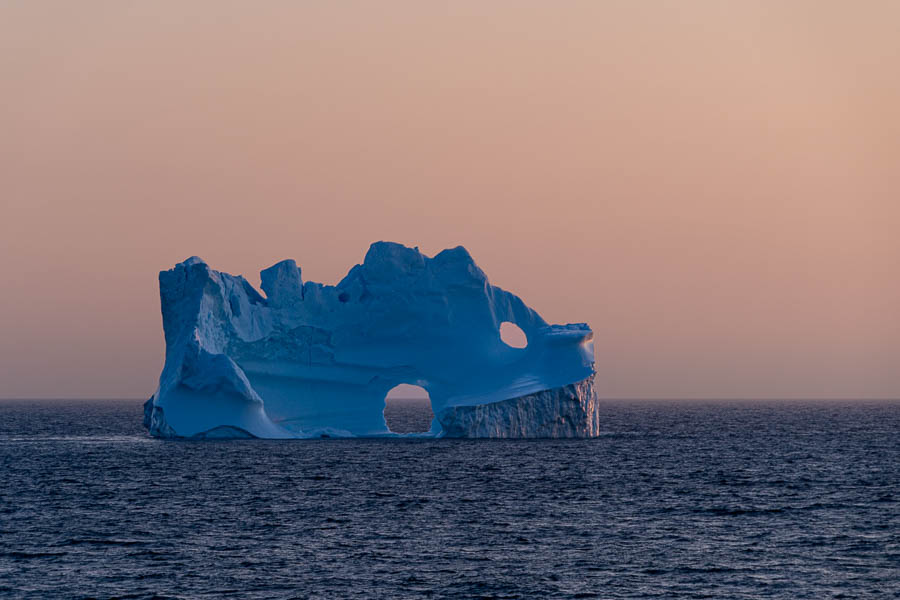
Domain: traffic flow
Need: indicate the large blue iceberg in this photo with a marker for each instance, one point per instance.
(312, 360)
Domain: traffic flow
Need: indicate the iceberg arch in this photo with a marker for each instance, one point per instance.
(409, 395)
(310, 360)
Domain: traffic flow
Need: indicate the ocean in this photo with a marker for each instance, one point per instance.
(675, 500)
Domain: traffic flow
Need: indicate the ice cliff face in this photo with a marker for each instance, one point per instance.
(308, 359)
(569, 411)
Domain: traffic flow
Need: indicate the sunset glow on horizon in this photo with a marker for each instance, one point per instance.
(713, 187)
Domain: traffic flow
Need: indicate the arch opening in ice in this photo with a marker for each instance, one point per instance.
(407, 409)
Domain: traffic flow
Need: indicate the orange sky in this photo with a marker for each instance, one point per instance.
(713, 186)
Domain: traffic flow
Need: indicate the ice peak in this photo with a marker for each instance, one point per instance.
(386, 260)
(282, 284)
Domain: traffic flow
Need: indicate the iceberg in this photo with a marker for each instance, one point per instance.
(305, 360)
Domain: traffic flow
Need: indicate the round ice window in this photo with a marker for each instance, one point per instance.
(512, 335)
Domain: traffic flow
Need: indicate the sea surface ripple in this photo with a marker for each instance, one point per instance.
(675, 500)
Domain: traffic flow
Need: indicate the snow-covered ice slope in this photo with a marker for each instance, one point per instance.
(309, 360)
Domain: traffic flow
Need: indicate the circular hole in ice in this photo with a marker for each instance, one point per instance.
(512, 335)
(407, 409)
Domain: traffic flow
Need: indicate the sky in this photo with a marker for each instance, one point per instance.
(713, 186)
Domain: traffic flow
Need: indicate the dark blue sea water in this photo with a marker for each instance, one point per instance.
(758, 500)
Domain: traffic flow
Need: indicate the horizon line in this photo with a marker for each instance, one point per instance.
(601, 398)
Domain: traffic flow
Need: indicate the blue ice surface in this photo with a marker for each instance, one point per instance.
(302, 359)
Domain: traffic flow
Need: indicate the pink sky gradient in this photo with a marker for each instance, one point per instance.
(713, 186)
